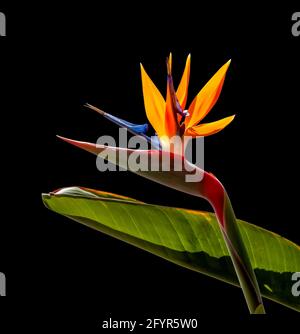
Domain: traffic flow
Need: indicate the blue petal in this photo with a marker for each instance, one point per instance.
(136, 128)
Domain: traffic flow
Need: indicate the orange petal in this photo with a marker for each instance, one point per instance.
(172, 106)
(208, 129)
(182, 90)
(155, 104)
(207, 97)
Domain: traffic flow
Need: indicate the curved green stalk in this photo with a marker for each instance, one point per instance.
(240, 259)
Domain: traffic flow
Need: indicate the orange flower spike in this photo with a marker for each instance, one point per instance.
(206, 98)
(169, 118)
(172, 105)
(207, 129)
(182, 90)
(155, 104)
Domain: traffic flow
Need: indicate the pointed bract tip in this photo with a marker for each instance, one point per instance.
(71, 141)
(92, 148)
(64, 138)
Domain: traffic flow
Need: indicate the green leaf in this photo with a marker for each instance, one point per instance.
(188, 238)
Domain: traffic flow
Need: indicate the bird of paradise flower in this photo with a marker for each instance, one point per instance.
(170, 118)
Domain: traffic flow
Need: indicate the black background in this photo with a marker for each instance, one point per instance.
(55, 59)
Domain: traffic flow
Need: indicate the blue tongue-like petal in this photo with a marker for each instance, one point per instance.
(136, 129)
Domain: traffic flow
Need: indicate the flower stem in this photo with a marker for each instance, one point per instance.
(240, 258)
